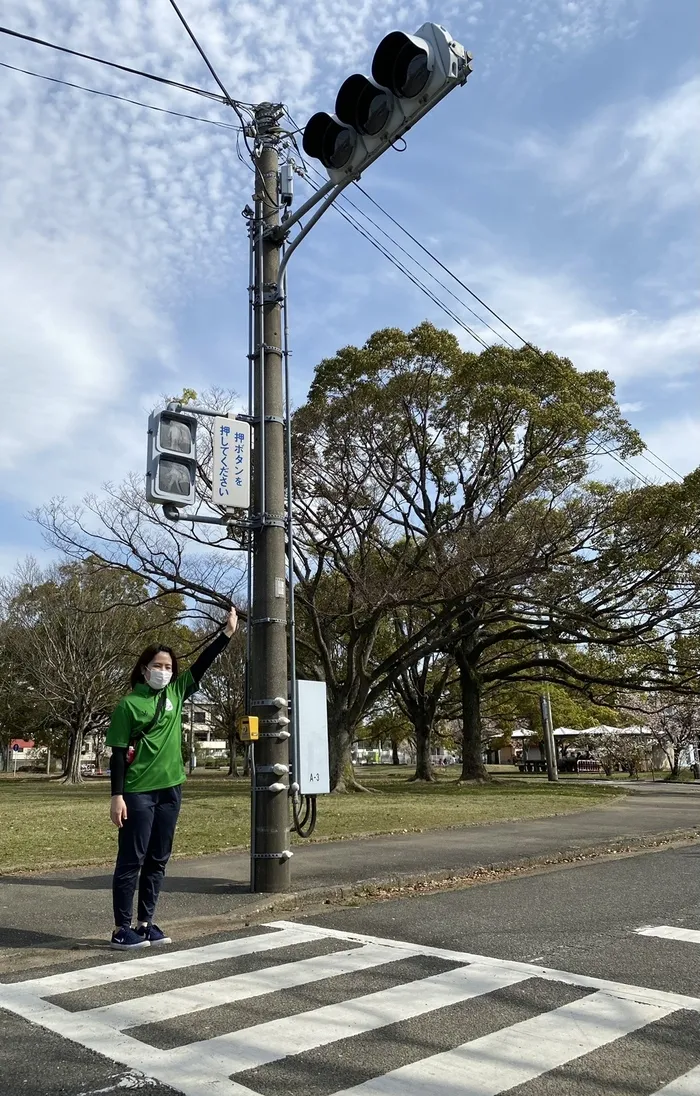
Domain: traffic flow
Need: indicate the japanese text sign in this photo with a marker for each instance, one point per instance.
(230, 486)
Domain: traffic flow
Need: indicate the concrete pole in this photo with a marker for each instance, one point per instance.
(268, 666)
(550, 748)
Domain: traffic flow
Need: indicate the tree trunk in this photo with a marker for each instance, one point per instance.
(473, 767)
(72, 774)
(395, 754)
(339, 748)
(424, 768)
(676, 766)
(232, 756)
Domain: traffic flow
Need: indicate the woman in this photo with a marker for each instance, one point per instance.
(147, 775)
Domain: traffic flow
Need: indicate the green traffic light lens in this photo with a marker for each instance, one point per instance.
(174, 478)
(338, 146)
(328, 141)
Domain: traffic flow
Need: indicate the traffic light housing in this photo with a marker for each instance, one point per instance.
(411, 73)
(172, 458)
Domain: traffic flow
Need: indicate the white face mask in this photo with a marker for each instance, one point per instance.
(158, 679)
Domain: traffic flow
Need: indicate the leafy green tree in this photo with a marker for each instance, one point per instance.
(469, 478)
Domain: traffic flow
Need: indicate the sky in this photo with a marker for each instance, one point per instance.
(561, 184)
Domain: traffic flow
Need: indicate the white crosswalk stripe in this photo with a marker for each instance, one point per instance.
(687, 1085)
(671, 932)
(158, 1007)
(596, 1014)
(503, 1060)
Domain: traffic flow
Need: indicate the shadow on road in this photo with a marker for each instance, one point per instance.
(24, 938)
(173, 884)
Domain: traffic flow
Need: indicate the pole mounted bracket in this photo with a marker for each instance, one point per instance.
(273, 296)
(269, 620)
(286, 854)
(274, 523)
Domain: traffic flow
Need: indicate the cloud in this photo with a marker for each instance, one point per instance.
(629, 154)
(677, 440)
(115, 218)
(561, 314)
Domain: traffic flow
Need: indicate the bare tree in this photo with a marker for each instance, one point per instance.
(224, 687)
(75, 631)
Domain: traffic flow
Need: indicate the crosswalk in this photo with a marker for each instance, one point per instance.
(299, 1009)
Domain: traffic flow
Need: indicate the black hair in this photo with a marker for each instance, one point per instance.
(146, 657)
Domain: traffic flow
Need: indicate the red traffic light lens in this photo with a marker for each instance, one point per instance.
(327, 140)
(175, 435)
(411, 70)
(402, 63)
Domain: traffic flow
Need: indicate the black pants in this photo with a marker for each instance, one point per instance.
(145, 844)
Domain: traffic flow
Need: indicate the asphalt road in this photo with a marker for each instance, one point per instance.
(520, 986)
(56, 909)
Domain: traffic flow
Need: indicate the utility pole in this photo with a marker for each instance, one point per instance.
(268, 617)
(548, 734)
(550, 748)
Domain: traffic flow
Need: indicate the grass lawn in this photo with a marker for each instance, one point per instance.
(44, 824)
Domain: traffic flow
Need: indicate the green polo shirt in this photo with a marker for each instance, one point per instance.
(158, 761)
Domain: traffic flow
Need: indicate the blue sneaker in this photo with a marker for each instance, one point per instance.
(152, 934)
(125, 939)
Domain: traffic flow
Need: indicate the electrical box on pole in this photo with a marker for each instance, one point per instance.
(172, 457)
(411, 73)
(311, 750)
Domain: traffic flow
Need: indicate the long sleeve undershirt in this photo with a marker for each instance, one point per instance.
(117, 765)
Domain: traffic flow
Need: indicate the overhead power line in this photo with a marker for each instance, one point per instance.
(417, 281)
(233, 103)
(114, 65)
(201, 52)
(120, 98)
(623, 463)
(488, 308)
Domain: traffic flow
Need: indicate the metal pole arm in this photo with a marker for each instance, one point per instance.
(307, 228)
(279, 232)
(172, 513)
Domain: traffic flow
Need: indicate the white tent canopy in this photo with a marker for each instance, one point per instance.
(593, 732)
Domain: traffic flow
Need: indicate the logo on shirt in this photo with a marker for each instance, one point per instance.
(168, 705)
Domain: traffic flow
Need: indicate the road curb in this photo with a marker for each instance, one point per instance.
(383, 887)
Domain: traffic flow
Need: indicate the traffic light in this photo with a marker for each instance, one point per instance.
(172, 457)
(411, 73)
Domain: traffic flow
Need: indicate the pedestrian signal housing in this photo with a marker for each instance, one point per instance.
(172, 457)
(411, 73)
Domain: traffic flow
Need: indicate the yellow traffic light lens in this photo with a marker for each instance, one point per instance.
(364, 105)
(373, 111)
